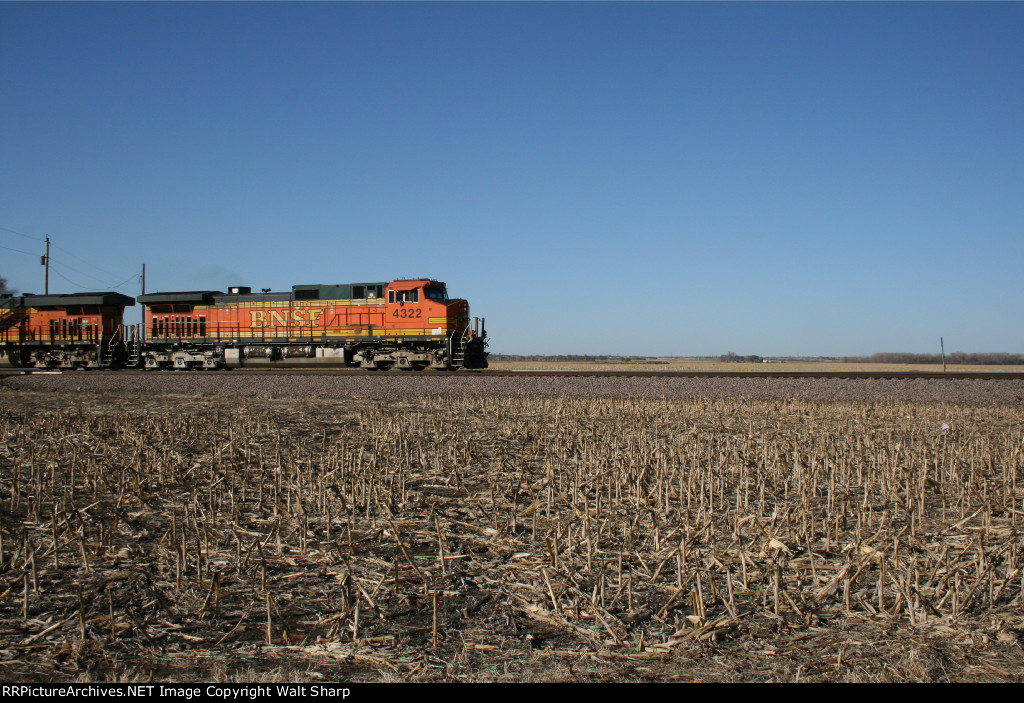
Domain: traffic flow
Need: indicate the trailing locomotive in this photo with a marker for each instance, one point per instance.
(407, 324)
(70, 330)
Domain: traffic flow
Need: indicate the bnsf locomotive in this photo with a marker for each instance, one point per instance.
(405, 324)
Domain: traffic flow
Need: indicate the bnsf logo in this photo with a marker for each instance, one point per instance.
(299, 317)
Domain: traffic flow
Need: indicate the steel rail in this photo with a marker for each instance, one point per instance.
(772, 374)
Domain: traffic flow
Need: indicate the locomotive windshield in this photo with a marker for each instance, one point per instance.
(435, 292)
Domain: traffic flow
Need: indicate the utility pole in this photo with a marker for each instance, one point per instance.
(142, 336)
(46, 262)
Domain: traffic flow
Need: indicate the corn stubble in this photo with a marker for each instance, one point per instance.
(509, 538)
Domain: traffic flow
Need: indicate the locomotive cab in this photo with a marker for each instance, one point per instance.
(410, 301)
(420, 313)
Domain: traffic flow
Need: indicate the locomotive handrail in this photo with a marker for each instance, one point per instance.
(107, 355)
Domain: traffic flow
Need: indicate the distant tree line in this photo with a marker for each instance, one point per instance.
(563, 357)
(999, 358)
(974, 359)
(734, 357)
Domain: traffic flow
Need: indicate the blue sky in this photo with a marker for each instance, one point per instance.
(603, 178)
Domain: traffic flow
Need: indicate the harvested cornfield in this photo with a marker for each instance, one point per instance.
(509, 538)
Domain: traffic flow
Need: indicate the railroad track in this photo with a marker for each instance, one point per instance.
(984, 375)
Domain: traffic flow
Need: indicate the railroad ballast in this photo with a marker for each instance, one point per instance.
(407, 324)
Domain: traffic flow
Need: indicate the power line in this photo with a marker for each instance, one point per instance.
(73, 255)
(79, 285)
(63, 249)
(21, 234)
(75, 283)
(69, 266)
(18, 250)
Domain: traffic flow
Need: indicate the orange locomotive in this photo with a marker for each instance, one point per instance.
(406, 324)
(70, 330)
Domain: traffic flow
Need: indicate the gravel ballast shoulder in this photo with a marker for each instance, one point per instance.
(388, 386)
